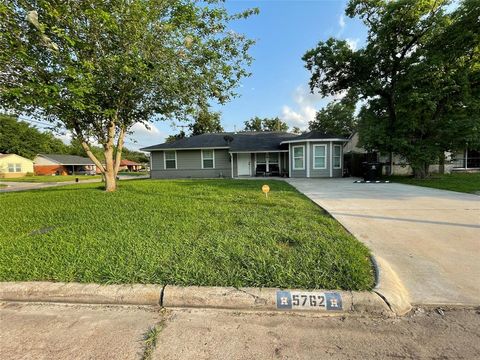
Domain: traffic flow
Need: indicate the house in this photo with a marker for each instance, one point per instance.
(248, 154)
(13, 166)
(127, 165)
(465, 160)
(54, 164)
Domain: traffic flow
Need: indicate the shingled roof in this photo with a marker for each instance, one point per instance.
(245, 141)
(68, 159)
(236, 142)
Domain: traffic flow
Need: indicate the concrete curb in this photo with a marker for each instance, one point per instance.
(81, 293)
(260, 299)
(390, 288)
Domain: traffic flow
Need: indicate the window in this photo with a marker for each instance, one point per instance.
(208, 159)
(337, 156)
(170, 159)
(14, 168)
(319, 156)
(298, 157)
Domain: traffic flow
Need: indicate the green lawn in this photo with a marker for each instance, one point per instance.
(463, 182)
(50, 178)
(184, 232)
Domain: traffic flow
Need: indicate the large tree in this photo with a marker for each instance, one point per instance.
(265, 124)
(336, 118)
(24, 139)
(97, 67)
(417, 76)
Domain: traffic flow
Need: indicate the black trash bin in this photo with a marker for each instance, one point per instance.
(372, 171)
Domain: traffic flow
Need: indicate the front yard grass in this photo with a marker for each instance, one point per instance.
(462, 182)
(51, 178)
(183, 232)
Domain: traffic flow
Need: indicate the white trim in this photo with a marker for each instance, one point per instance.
(290, 155)
(213, 158)
(165, 160)
(303, 157)
(311, 140)
(307, 158)
(178, 149)
(331, 158)
(231, 163)
(325, 156)
(340, 156)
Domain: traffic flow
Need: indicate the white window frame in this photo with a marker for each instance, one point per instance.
(303, 157)
(165, 160)
(213, 158)
(324, 156)
(339, 157)
(16, 167)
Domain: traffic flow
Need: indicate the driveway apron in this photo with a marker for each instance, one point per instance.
(430, 237)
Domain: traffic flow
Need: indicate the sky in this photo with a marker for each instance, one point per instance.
(284, 30)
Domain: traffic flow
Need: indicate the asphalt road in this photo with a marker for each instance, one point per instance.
(59, 331)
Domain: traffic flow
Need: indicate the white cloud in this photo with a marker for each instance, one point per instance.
(352, 43)
(341, 21)
(141, 136)
(305, 108)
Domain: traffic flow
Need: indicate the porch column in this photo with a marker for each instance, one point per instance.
(331, 158)
(231, 163)
(466, 158)
(289, 160)
(307, 159)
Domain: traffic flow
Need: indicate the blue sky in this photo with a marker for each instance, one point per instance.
(284, 31)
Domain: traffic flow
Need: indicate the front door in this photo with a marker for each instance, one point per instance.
(243, 164)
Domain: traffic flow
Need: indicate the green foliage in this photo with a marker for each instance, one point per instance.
(174, 137)
(206, 122)
(98, 67)
(337, 118)
(265, 124)
(418, 76)
(21, 138)
(462, 182)
(183, 232)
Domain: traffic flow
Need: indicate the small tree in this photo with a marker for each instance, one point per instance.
(336, 118)
(98, 67)
(265, 124)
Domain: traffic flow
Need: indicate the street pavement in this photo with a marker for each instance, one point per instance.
(60, 331)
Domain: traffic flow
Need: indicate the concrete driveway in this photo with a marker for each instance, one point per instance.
(430, 237)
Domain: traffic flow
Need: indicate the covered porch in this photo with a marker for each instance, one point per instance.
(259, 163)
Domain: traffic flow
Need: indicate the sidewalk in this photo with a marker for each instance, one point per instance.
(23, 186)
(56, 331)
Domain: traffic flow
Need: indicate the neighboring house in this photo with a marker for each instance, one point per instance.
(13, 166)
(247, 154)
(127, 165)
(53, 164)
(466, 160)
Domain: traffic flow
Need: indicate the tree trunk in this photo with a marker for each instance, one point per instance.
(421, 170)
(441, 163)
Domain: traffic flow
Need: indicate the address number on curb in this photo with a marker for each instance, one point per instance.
(300, 300)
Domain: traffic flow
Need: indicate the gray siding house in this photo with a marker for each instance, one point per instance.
(248, 154)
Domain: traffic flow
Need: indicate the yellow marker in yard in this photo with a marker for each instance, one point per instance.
(266, 189)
